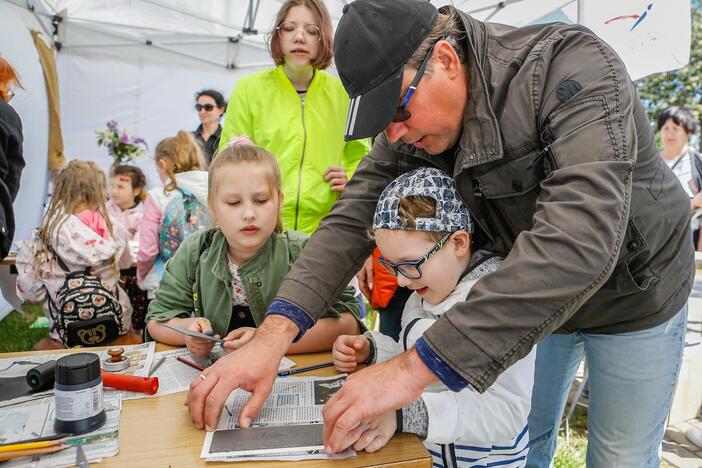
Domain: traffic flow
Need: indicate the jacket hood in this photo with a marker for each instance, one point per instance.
(195, 182)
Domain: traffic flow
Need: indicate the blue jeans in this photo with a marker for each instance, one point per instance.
(631, 382)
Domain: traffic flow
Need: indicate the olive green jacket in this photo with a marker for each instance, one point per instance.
(197, 282)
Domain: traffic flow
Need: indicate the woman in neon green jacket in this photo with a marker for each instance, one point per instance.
(298, 112)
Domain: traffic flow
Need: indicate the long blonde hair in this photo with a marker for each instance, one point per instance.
(245, 153)
(182, 153)
(78, 183)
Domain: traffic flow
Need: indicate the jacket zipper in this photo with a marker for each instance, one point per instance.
(547, 138)
(478, 197)
(302, 159)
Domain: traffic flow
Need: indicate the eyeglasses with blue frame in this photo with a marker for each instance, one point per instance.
(401, 113)
(412, 269)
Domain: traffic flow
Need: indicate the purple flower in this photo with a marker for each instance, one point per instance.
(124, 138)
(112, 124)
(139, 141)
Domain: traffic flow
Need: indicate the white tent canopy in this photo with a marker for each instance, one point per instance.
(139, 62)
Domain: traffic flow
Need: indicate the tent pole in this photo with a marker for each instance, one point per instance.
(581, 12)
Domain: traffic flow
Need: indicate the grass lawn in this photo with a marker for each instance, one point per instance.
(15, 334)
(570, 452)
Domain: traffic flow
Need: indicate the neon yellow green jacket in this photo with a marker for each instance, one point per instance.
(305, 139)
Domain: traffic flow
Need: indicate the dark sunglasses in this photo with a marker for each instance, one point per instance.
(401, 113)
(207, 107)
(412, 269)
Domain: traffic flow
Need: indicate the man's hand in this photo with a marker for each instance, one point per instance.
(380, 430)
(349, 350)
(337, 178)
(237, 338)
(197, 346)
(373, 391)
(365, 277)
(252, 368)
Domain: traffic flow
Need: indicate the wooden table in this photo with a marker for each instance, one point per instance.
(157, 432)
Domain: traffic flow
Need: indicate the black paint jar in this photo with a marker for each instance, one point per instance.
(78, 394)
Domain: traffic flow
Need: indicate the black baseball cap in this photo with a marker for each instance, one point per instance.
(373, 41)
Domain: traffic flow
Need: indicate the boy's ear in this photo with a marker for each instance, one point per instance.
(461, 243)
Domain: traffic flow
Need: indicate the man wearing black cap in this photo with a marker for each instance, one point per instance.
(549, 146)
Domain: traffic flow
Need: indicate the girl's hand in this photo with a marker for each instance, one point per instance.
(336, 176)
(349, 350)
(697, 201)
(197, 346)
(378, 432)
(235, 339)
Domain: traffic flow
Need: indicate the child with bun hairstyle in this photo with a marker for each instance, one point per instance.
(221, 281)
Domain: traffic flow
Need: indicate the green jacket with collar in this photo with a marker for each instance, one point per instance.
(196, 281)
(305, 135)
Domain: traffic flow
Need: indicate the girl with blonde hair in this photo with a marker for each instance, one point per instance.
(222, 280)
(181, 167)
(76, 233)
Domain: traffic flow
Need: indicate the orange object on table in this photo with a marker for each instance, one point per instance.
(148, 385)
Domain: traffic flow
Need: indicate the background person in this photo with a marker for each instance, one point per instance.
(126, 206)
(11, 160)
(77, 229)
(297, 112)
(549, 146)
(676, 125)
(181, 168)
(210, 106)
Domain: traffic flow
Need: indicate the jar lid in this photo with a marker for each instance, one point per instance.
(76, 369)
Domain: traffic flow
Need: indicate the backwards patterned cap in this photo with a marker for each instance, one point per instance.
(451, 214)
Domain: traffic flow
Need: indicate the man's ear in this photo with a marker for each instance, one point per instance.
(446, 55)
(461, 243)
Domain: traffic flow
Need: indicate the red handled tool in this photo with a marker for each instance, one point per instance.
(148, 385)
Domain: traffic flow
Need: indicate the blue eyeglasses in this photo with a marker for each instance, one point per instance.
(411, 269)
(401, 113)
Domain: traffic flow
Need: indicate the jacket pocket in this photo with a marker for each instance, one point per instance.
(633, 268)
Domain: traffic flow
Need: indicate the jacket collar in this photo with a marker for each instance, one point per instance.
(220, 251)
(480, 140)
(285, 81)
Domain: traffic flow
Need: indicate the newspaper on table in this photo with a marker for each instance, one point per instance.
(294, 401)
(29, 420)
(141, 357)
(175, 376)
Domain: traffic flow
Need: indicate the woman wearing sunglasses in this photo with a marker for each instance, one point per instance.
(298, 112)
(210, 106)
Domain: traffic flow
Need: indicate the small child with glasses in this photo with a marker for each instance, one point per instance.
(423, 231)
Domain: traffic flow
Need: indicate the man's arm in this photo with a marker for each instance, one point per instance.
(340, 245)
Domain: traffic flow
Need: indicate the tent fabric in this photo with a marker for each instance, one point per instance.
(55, 156)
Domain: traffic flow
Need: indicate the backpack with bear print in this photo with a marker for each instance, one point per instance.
(183, 216)
(86, 311)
